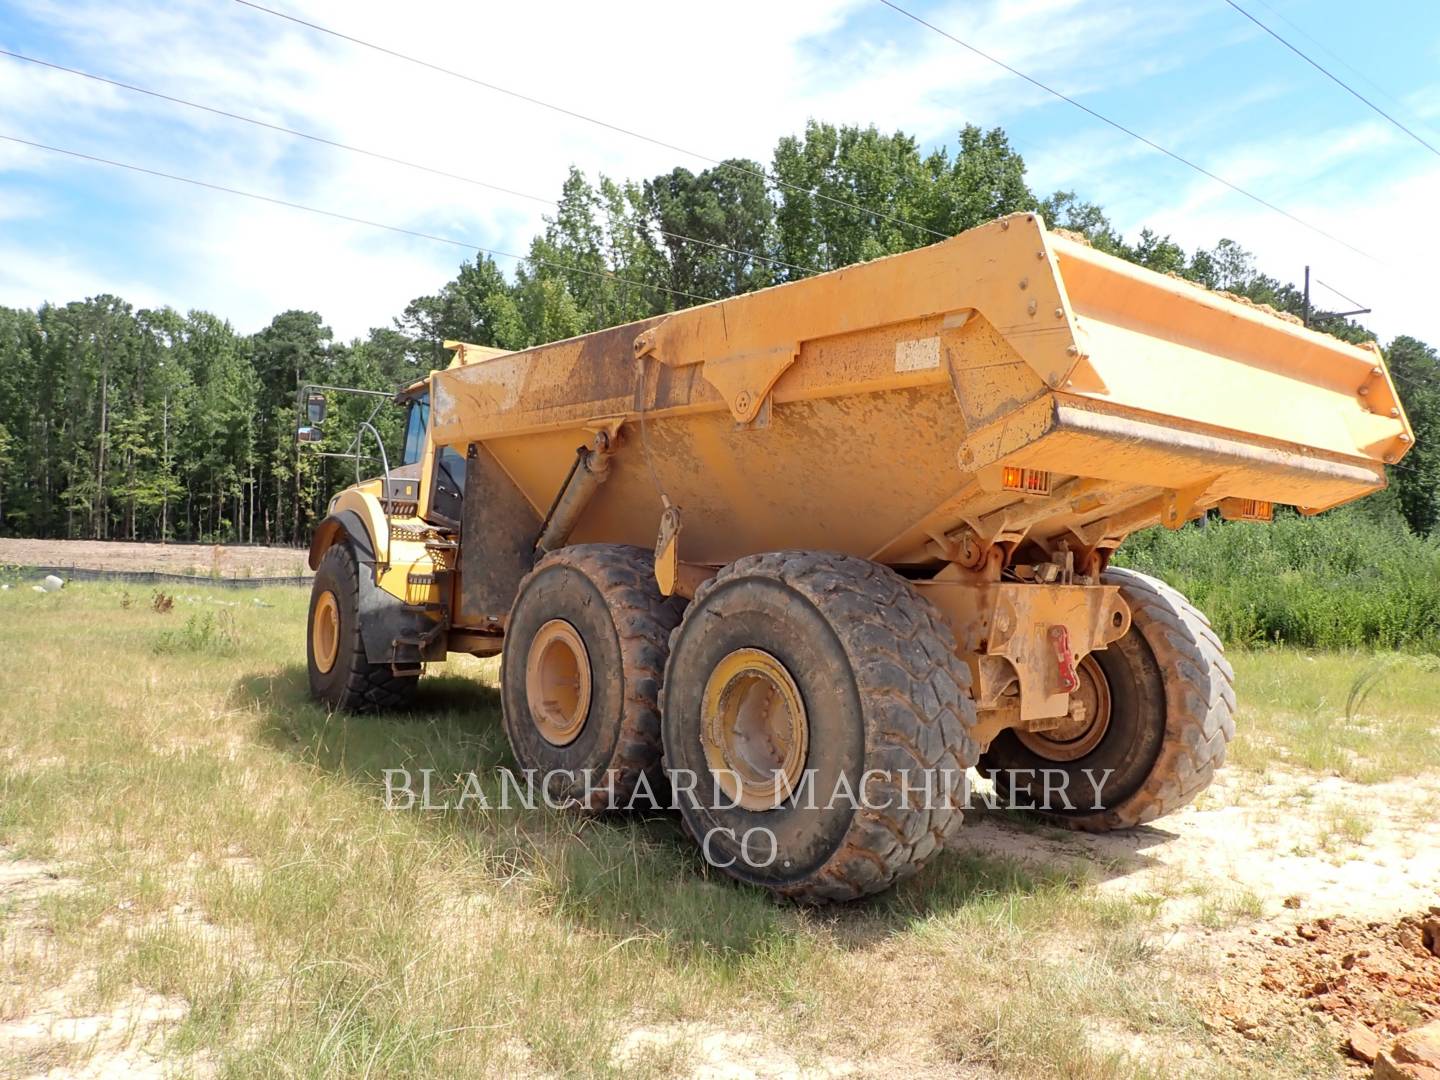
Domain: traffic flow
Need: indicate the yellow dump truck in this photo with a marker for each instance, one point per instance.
(805, 556)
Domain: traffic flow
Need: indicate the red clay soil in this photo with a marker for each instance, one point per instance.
(1382, 978)
(201, 560)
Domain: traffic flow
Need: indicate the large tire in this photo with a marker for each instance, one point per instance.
(1172, 716)
(607, 597)
(341, 676)
(884, 704)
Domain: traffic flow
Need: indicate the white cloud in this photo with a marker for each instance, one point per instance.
(29, 278)
(1388, 217)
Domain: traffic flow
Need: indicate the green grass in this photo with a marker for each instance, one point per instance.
(1344, 580)
(1361, 715)
(234, 854)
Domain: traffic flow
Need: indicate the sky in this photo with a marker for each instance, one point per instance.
(718, 80)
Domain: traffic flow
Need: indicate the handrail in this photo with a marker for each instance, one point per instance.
(366, 425)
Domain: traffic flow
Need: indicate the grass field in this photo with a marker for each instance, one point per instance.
(218, 845)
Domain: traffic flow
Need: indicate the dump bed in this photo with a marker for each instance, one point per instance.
(1009, 382)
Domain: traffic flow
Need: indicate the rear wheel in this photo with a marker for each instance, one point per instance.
(1157, 710)
(585, 648)
(817, 725)
(340, 674)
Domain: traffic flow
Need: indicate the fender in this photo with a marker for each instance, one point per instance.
(383, 617)
(355, 514)
(344, 526)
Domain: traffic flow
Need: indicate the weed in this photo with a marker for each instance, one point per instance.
(1219, 911)
(204, 632)
(1342, 828)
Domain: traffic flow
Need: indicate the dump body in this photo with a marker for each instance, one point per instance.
(874, 410)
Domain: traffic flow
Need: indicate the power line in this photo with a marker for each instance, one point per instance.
(573, 114)
(1122, 128)
(378, 155)
(1337, 292)
(1334, 78)
(354, 220)
(1329, 52)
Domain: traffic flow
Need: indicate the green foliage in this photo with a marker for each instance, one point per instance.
(1342, 580)
(206, 632)
(1416, 369)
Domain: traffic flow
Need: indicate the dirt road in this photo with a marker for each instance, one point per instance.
(200, 560)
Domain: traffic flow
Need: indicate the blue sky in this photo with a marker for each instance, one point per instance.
(726, 79)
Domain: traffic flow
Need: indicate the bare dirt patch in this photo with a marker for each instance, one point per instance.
(56, 1041)
(1272, 849)
(198, 560)
(54, 1031)
(706, 1052)
(1311, 899)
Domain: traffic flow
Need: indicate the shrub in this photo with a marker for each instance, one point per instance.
(1341, 580)
(203, 632)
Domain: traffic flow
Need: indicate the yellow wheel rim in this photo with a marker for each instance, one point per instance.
(753, 729)
(1087, 723)
(325, 631)
(557, 682)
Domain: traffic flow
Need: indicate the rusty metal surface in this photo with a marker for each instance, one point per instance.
(1003, 629)
(497, 542)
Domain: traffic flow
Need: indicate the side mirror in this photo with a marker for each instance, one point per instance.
(309, 434)
(315, 408)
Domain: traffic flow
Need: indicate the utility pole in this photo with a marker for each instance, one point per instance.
(1358, 310)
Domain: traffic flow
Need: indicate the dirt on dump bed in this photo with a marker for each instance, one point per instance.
(198, 560)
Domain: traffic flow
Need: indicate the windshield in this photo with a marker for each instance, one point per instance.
(416, 422)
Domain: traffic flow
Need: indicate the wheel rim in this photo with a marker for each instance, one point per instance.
(753, 729)
(325, 631)
(1087, 724)
(557, 682)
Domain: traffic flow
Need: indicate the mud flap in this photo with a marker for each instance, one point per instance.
(389, 628)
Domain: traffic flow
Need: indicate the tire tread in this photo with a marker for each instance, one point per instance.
(915, 700)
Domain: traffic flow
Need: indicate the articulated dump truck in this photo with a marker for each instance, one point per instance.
(799, 559)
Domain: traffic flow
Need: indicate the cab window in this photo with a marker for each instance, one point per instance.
(416, 422)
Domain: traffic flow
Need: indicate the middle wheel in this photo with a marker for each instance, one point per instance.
(817, 724)
(580, 674)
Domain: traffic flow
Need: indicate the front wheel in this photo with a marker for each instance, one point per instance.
(340, 675)
(1157, 711)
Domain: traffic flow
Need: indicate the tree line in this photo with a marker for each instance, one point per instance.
(149, 424)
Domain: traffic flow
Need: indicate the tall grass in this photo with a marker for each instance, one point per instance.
(1343, 580)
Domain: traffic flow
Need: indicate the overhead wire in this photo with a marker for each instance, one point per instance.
(1335, 79)
(585, 117)
(274, 200)
(376, 154)
(1151, 143)
(1337, 292)
(1328, 51)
